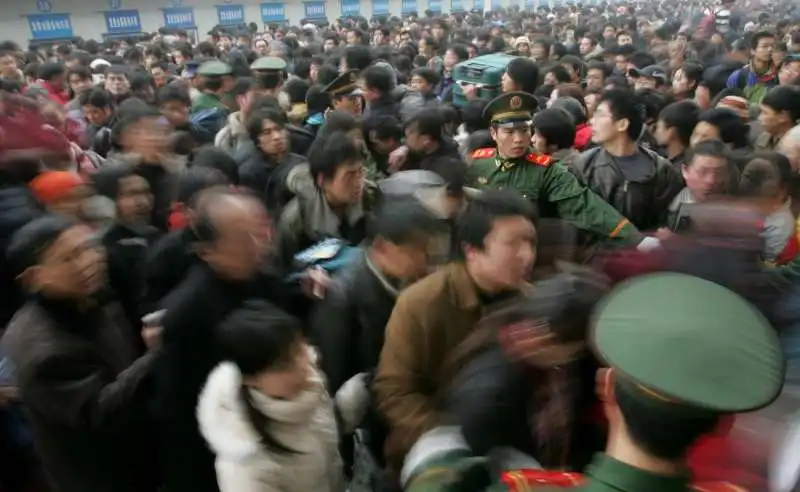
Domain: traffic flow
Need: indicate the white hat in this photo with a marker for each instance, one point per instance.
(99, 63)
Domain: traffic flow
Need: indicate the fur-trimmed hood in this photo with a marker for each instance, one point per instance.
(223, 418)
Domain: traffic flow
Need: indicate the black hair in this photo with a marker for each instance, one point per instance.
(784, 98)
(106, 179)
(209, 156)
(336, 149)
(454, 173)
(358, 57)
(642, 59)
(50, 70)
(257, 337)
(326, 74)
(83, 72)
(525, 73)
(660, 430)
(477, 220)
(473, 117)
(625, 104)
(196, 179)
(32, 240)
(599, 65)
(378, 78)
(242, 86)
(557, 126)
(732, 130)
(97, 97)
(255, 123)
(711, 148)
(757, 37)
(400, 220)
(170, 93)
(682, 116)
(560, 73)
(427, 123)
(430, 76)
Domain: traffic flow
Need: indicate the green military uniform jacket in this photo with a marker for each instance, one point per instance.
(606, 474)
(539, 179)
(207, 101)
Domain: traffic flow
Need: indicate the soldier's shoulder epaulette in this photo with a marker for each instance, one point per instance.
(539, 159)
(484, 153)
(531, 479)
(717, 487)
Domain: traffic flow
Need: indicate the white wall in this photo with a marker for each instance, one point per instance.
(88, 21)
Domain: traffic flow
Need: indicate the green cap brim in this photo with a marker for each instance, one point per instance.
(691, 341)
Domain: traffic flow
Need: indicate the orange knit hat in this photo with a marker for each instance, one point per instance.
(52, 186)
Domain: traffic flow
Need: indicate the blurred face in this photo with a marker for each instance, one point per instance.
(178, 57)
(346, 187)
(774, 122)
(419, 84)
(352, 38)
(703, 132)
(595, 79)
(176, 113)
(663, 133)
(680, 84)
(591, 101)
(450, 59)
(159, 76)
(645, 83)
(134, 200)
(262, 48)
(73, 267)
(508, 253)
(117, 84)
(328, 45)
(538, 51)
(621, 63)
(550, 79)
(287, 379)
(585, 46)
(272, 140)
(702, 97)
(624, 39)
(472, 51)
(313, 72)
(609, 32)
(96, 116)
(540, 143)
(8, 67)
(716, 38)
(78, 84)
(524, 49)
(512, 142)
(604, 127)
(351, 104)
(789, 72)
(764, 49)
(408, 261)
(148, 137)
(437, 31)
(242, 238)
(706, 176)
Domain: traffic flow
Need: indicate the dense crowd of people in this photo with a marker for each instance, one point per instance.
(329, 257)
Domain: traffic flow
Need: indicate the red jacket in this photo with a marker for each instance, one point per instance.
(59, 96)
(583, 136)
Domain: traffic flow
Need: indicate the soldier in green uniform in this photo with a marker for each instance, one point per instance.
(268, 70)
(681, 352)
(215, 81)
(513, 164)
(345, 93)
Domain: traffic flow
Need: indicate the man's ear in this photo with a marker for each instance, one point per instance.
(29, 278)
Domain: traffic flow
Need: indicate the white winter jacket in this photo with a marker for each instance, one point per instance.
(305, 424)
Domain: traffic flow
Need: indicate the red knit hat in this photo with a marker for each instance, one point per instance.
(24, 132)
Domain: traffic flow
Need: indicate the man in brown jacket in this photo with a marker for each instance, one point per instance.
(497, 248)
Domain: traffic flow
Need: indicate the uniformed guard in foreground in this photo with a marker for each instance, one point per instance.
(513, 164)
(681, 353)
(216, 78)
